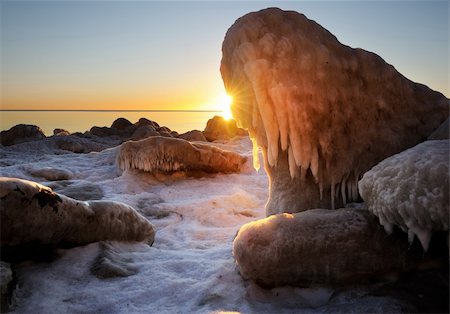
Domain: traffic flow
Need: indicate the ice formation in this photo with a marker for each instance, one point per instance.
(33, 214)
(318, 247)
(411, 190)
(164, 154)
(322, 112)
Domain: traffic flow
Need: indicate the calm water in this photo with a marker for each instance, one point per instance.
(80, 121)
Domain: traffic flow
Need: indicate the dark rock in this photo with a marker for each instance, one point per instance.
(21, 133)
(194, 135)
(144, 132)
(218, 128)
(121, 124)
(60, 132)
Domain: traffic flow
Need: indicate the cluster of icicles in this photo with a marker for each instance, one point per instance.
(158, 162)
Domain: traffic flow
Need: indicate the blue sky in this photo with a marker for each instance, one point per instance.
(166, 55)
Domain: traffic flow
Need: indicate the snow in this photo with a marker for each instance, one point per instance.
(411, 190)
(189, 268)
(300, 92)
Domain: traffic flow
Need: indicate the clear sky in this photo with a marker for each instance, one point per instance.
(166, 55)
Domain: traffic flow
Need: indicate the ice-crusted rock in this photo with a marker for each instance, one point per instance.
(60, 132)
(164, 154)
(145, 121)
(32, 214)
(411, 190)
(21, 133)
(144, 131)
(121, 124)
(218, 128)
(322, 112)
(194, 135)
(318, 247)
(51, 174)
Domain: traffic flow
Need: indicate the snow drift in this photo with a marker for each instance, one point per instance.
(164, 154)
(322, 112)
(33, 214)
(411, 190)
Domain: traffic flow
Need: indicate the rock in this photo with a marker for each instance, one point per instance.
(218, 128)
(194, 135)
(110, 263)
(323, 113)
(60, 132)
(163, 129)
(174, 133)
(78, 145)
(144, 121)
(164, 154)
(83, 191)
(411, 190)
(51, 174)
(32, 214)
(102, 131)
(318, 247)
(21, 133)
(121, 124)
(144, 132)
(442, 132)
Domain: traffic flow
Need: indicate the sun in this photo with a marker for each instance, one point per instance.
(224, 103)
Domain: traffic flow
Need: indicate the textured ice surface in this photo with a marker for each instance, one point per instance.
(189, 268)
(333, 110)
(411, 190)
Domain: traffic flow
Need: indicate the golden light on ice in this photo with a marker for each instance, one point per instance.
(224, 102)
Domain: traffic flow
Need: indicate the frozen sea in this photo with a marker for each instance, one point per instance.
(189, 268)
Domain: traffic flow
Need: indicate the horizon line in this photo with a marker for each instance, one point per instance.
(111, 110)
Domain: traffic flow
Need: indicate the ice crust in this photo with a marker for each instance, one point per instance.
(189, 268)
(411, 190)
(334, 110)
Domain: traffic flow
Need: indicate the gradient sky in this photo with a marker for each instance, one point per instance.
(166, 55)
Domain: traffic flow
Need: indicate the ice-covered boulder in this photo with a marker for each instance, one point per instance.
(318, 247)
(60, 132)
(323, 113)
(166, 154)
(51, 174)
(218, 128)
(144, 131)
(21, 133)
(194, 135)
(121, 124)
(32, 214)
(411, 190)
(145, 121)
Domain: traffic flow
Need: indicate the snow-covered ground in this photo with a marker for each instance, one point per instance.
(189, 268)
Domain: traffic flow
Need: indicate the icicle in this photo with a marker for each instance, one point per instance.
(343, 185)
(256, 163)
(332, 195)
(388, 227)
(315, 164)
(423, 235)
(321, 189)
(292, 165)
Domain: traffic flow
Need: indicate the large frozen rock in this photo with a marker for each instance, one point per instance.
(411, 190)
(32, 214)
(164, 154)
(218, 128)
(323, 113)
(21, 133)
(318, 247)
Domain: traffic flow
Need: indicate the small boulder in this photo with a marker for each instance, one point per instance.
(51, 174)
(21, 133)
(145, 121)
(32, 214)
(167, 154)
(318, 247)
(102, 131)
(144, 131)
(60, 132)
(165, 134)
(194, 135)
(121, 124)
(218, 128)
